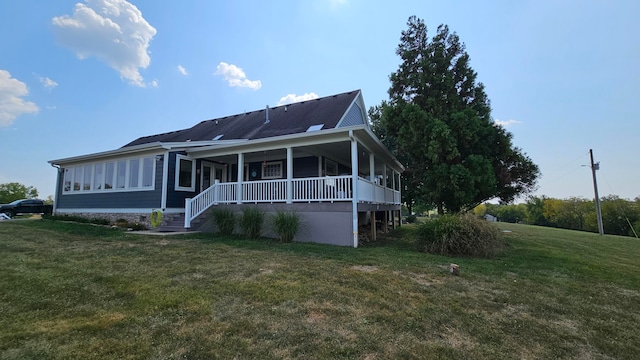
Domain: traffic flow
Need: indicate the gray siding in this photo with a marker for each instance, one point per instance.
(324, 223)
(353, 117)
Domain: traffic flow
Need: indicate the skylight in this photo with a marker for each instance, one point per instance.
(315, 127)
(218, 137)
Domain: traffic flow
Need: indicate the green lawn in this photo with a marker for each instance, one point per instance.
(81, 291)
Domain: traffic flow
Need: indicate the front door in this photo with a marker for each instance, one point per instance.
(211, 172)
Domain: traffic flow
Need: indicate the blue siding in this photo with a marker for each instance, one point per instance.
(353, 117)
(175, 199)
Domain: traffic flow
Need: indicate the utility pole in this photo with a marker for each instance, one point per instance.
(594, 167)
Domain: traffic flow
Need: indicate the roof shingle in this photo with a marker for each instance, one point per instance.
(283, 120)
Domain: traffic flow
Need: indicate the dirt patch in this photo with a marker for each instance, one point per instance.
(163, 242)
(364, 268)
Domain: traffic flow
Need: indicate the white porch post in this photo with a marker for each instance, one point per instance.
(289, 175)
(216, 191)
(372, 167)
(187, 213)
(240, 177)
(354, 180)
(385, 187)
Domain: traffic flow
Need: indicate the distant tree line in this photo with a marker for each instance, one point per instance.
(618, 215)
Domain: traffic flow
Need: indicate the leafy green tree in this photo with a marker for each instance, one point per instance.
(438, 122)
(618, 215)
(535, 211)
(16, 191)
(513, 213)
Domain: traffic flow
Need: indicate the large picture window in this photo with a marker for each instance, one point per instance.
(132, 174)
(185, 173)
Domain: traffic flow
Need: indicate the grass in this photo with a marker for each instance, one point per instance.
(82, 291)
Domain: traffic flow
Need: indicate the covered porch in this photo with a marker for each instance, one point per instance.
(333, 166)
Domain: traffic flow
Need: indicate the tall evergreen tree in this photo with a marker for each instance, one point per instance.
(438, 122)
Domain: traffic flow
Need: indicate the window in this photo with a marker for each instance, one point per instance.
(121, 173)
(77, 178)
(185, 170)
(86, 184)
(147, 172)
(98, 179)
(315, 127)
(108, 175)
(272, 170)
(330, 168)
(133, 174)
(67, 180)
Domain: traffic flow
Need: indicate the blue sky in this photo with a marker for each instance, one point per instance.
(80, 77)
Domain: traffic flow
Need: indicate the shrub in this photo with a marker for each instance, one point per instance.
(78, 219)
(460, 235)
(251, 222)
(225, 220)
(286, 225)
(411, 219)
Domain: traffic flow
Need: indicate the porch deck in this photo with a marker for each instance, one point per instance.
(314, 189)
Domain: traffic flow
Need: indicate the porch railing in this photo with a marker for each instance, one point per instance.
(315, 189)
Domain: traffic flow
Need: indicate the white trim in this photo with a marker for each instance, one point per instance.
(165, 180)
(118, 211)
(177, 186)
(150, 147)
(354, 179)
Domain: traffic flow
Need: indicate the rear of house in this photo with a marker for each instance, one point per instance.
(318, 158)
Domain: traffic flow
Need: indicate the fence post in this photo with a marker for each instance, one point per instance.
(187, 213)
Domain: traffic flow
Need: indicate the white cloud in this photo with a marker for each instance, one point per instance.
(113, 31)
(506, 123)
(48, 83)
(154, 83)
(235, 77)
(293, 98)
(182, 70)
(51, 107)
(11, 103)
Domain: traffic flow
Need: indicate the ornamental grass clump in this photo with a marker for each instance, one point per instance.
(460, 235)
(251, 222)
(286, 225)
(225, 220)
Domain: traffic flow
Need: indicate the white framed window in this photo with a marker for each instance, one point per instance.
(147, 172)
(133, 174)
(330, 168)
(185, 174)
(109, 174)
(272, 170)
(67, 180)
(98, 176)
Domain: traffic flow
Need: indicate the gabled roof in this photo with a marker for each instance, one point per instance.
(283, 120)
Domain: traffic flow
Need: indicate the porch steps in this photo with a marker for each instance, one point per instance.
(173, 223)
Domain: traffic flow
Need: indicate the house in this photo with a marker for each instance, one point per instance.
(318, 158)
(490, 218)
